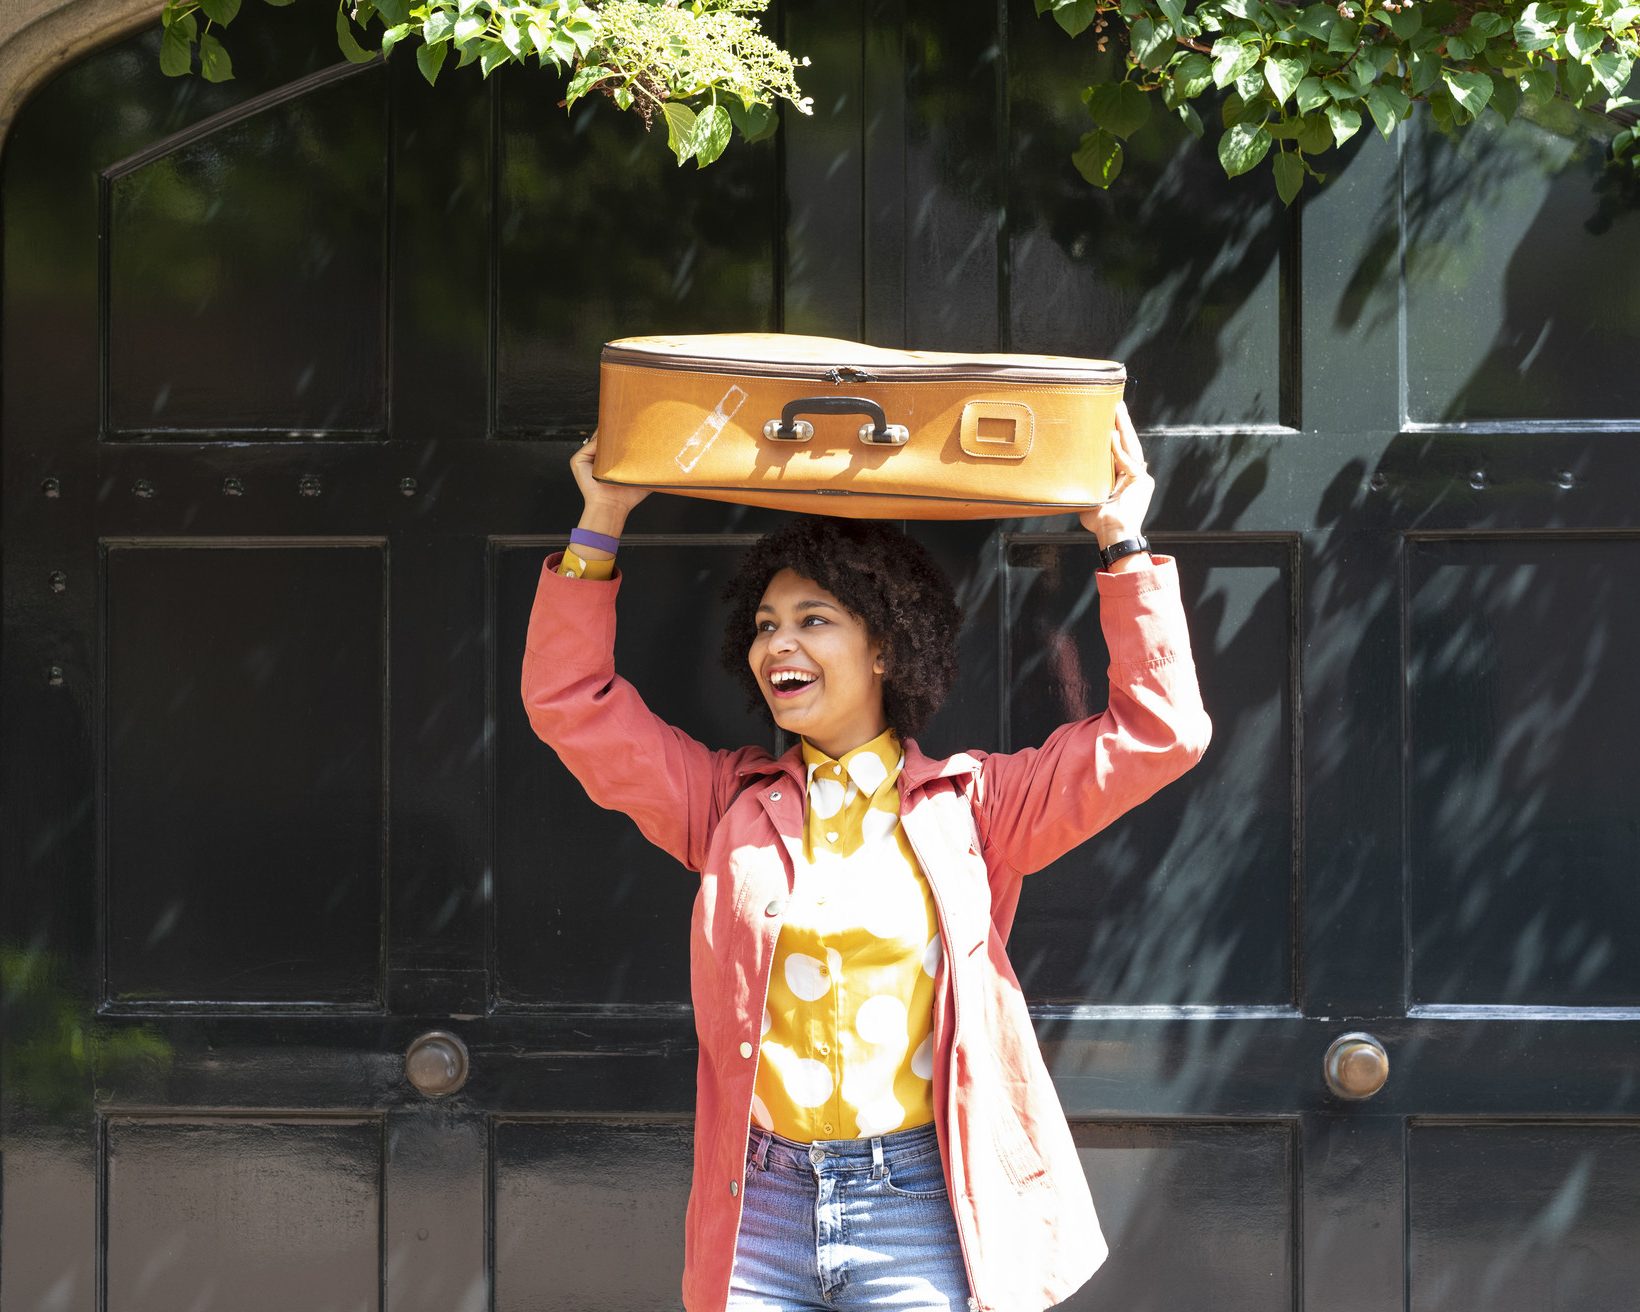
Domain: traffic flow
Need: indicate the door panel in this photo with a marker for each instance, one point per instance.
(245, 711)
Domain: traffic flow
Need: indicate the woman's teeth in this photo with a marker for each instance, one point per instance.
(789, 684)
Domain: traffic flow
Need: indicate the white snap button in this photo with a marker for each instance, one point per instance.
(774, 796)
(745, 1050)
(734, 1188)
(832, 836)
(774, 908)
(572, 573)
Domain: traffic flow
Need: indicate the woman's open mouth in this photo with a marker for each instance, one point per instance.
(792, 683)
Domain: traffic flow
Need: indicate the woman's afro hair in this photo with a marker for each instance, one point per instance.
(886, 579)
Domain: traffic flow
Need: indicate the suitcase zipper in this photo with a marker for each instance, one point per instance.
(839, 374)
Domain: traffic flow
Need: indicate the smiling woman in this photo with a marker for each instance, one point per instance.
(873, 1113)
(855, 616)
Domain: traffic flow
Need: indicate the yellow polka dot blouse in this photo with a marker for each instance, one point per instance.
(848, 1026)
(847, 1047)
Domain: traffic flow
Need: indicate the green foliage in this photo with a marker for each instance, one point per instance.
(56, 1055)
(1299, 79)
(703, 66)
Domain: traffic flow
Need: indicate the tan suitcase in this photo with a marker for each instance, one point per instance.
(834, 427)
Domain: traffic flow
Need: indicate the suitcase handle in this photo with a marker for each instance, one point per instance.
(877, 432)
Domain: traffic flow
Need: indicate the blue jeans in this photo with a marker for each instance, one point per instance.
(846, 1224)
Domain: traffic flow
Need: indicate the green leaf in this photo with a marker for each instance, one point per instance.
(1250, 86)
(1487, 23)
(1289, 175)
(356, 54)
(213, 60)
(1471, 90)
(1311, 94)
(1575, 80)
(1192, 75)
(680, 129)
(429, 59)
(1583, 40)
(1099, 158)
(1192, 120)
(1387, 104)
(581, 32)
(1120, 108)
(1314, 134)
(1505, 98)
(1151, 42)
(393, 36)
(1533, 31)
(438, 27)
(469, 26)
(1174, 9)
(1424, 70)
(1344, 122)
(176, 52)
(1075, 16)
(1242, 147)
(754, 122)
(1235, 110)
(583, 81)
(565, 47)
(1282, 75)
(1406, 23)
(1231, 58)
(1318, 20)
(491, 55)
(1611, 70)
(1459, 47)
(713, 129)
(1538, 85)
(512, 36)
(220, 11)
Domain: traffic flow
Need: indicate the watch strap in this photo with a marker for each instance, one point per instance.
(1108, 556)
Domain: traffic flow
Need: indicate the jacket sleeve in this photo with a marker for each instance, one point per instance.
(626, 757)
(1039, 803)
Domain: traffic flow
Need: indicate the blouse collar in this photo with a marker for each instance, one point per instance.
(870, 765)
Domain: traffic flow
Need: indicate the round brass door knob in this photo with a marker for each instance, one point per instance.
(1356, 1065)
(436, 1063)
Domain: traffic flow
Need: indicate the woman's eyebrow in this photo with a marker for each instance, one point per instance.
(802, 605)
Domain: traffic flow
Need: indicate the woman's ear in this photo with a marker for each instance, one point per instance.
(879, 663)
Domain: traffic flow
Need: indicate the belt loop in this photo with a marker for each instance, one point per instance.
(762, 1157)
(877, 1169)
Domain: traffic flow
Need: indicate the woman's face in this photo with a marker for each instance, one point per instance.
(831, 685)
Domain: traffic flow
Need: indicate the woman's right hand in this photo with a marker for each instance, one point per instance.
(603, 500)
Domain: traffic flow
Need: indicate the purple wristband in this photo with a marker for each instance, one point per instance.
(585, 537)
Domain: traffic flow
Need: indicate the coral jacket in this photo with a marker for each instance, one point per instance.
(978, 822)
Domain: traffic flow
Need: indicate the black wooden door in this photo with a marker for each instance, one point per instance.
(291, 370)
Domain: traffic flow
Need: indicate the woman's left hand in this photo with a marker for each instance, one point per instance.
(1123, 515)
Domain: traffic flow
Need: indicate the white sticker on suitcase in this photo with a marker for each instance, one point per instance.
(710, 427)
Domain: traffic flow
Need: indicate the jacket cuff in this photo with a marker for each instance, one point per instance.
(1142, 614)
(566, 610)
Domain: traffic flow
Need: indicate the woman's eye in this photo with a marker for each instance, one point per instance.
(818, 618)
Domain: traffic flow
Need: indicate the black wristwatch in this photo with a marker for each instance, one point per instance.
(1126, 547)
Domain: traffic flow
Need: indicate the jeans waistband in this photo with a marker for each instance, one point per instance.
(840, 1156)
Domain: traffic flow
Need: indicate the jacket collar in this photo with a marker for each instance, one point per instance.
(917, 770)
